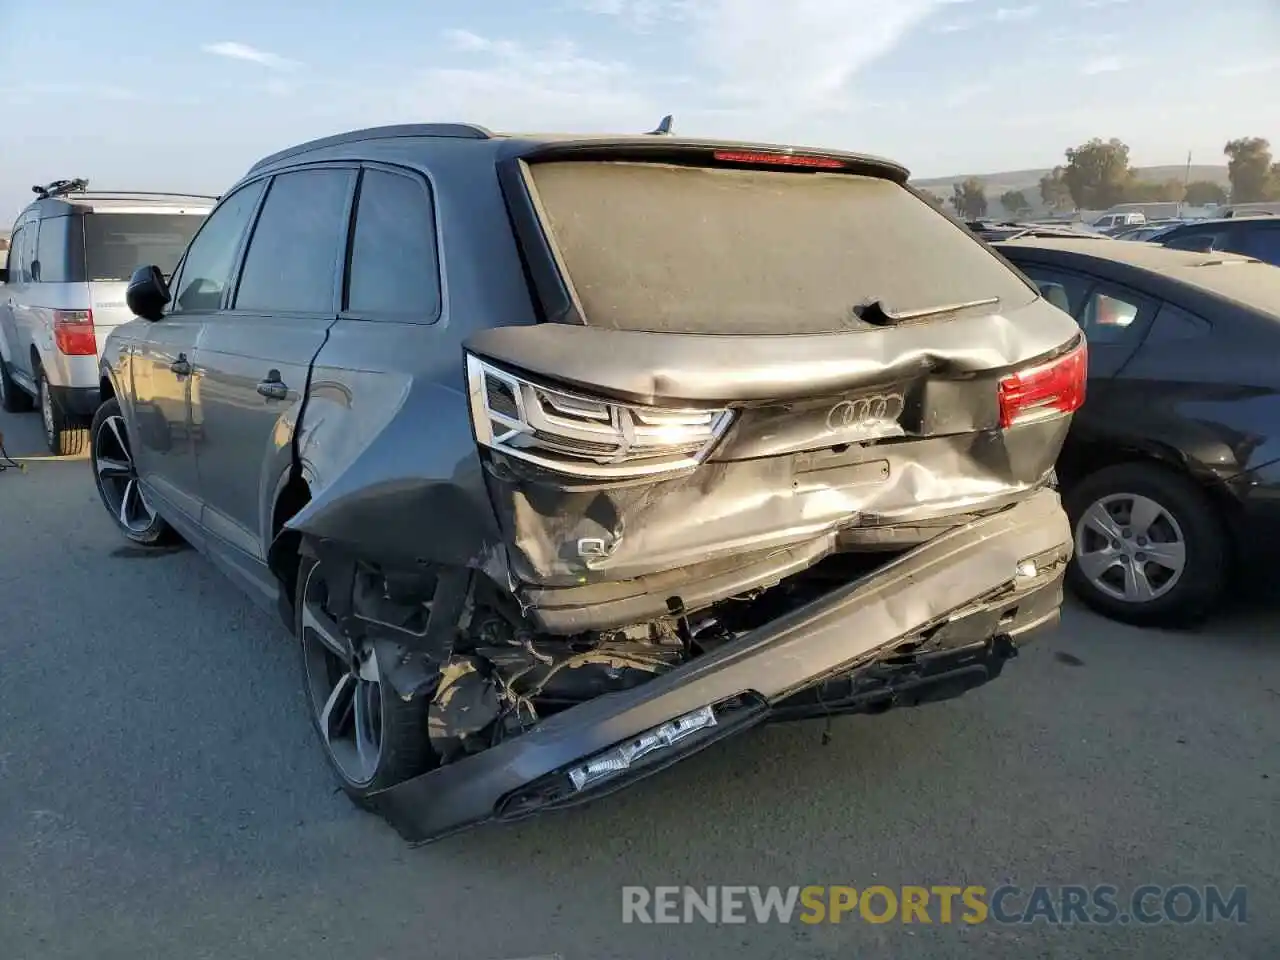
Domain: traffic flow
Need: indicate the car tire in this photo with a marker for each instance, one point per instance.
(395, 728)
(67, 436)
(109, 446)
(13, 399)
(1155, 515)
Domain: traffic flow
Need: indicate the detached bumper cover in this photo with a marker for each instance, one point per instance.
(966, 580)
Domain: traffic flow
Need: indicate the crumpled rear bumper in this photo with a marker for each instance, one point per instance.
(976, 581)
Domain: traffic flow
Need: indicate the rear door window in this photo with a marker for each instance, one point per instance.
(683, 249)
(1067, 291)
(1112, 315)
(294, 253)
(394, 270)
(117, 244)
(1261, 241)
(1201, 241)
(13, 261)
(54, 250)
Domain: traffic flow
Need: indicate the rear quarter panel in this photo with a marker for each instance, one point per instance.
(385, 442)
(1210, 403)
(44, 299)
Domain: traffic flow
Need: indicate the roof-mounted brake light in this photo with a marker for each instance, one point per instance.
(763, 158)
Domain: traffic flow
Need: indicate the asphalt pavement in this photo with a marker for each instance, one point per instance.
(161, 794)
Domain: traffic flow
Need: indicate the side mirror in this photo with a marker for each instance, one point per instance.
(147, 294)
(35, 271)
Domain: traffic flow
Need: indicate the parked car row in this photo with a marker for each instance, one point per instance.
(564, 458)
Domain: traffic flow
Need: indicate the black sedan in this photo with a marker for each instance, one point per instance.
(1171, 471)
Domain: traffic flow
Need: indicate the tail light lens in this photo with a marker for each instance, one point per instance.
(587, 437)
(1047, 390)
(73, 333)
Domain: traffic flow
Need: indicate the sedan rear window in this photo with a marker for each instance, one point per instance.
(116, 244)
(682, 249)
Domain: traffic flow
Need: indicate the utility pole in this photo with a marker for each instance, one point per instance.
(1186, 182)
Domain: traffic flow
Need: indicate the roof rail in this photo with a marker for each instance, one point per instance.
(58, 188)
(460, 131)
(133, 194)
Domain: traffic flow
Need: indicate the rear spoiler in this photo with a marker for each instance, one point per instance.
(686, 151)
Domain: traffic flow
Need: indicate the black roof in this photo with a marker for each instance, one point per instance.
(650, 146)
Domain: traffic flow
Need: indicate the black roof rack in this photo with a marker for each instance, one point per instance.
(133, 194)
(461, 131)
(59, 188)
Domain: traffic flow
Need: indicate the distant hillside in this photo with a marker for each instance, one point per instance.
(1028, 181)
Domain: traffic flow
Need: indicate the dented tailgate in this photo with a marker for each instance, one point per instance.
(825, 350)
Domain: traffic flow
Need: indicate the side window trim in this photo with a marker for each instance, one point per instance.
(237, 260)
(339, 272)
(427, 186)
(1147, 305)
(1089, 283)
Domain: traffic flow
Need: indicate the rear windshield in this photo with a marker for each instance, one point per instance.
(116, 244)
(695, 250)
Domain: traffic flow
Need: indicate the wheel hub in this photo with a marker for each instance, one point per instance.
(1130, 547)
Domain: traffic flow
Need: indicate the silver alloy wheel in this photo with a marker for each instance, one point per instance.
(46, 409)
(1130, 547)
(118, 478)
(343, 687)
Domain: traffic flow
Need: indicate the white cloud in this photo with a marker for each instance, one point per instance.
(807, 57)
(1102, 3)
(1102, 65)
(517, 86)
(234, 50)
(1015, 14)
(957, 27)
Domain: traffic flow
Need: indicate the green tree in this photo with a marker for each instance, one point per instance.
(1203, 192)
(1154, 191)
(969, 199)
(1053, 190)
(1273, 191)
(1015, 201)
(933, 198)
(1249, 167)
(1097, 173)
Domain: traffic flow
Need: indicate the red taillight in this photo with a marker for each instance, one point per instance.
(73, 333)
(1046, 390)
(779, 159)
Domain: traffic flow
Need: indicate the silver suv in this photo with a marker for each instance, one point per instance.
(70, 256)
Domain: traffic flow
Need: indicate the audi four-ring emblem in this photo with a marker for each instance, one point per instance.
(866, 411)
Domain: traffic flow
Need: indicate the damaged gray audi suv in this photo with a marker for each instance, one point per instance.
(564, 457)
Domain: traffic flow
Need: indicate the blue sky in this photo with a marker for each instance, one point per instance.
(164, 95)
